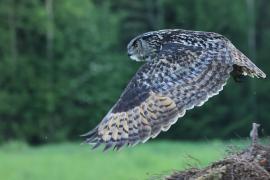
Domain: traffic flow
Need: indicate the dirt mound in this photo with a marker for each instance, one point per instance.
(250, 164)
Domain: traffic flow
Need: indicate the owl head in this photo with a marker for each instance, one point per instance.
(144, 47)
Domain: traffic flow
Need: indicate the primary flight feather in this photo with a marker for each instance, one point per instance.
(182, 69)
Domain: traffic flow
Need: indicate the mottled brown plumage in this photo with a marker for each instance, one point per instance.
(182, 69)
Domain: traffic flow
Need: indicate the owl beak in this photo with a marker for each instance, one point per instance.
(134, 57)
(129, 54)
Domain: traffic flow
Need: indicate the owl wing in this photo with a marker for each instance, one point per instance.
(160, 92)
(243, 65)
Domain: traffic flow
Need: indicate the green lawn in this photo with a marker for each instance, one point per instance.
(72, 161)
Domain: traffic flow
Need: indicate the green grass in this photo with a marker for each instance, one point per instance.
(72, 161)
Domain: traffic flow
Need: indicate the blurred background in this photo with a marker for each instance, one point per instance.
(63, 64)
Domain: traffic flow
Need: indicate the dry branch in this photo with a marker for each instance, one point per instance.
(250, 164)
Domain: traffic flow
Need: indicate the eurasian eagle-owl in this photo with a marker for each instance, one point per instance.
(182, 69)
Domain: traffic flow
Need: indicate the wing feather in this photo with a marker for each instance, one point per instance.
(161, 92)
(244, 64)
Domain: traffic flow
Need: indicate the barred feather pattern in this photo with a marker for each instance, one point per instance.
(185, 72)
(246, 66)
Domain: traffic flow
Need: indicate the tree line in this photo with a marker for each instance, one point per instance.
(63, 64)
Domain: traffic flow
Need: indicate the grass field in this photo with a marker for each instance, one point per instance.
(72, 161)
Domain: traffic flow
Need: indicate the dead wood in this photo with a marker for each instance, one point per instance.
(251, 164)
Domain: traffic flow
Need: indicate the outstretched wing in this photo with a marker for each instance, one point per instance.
(161, 91)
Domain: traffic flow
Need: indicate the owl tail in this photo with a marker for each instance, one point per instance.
(243, 65)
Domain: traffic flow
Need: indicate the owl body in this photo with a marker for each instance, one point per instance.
(182, 69)
(204, 40)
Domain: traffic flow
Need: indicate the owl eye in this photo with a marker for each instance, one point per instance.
(136, 44)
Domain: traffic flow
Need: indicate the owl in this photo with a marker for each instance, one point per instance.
(182, 69)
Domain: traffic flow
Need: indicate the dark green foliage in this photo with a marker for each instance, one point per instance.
(63, 64)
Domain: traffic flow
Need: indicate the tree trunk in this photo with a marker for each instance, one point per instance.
(50, 31)
(252, 52)
(12, 21)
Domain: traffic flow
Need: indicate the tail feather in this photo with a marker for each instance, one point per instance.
(246, 66)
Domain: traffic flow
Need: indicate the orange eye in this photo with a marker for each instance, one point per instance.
(136, 44)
